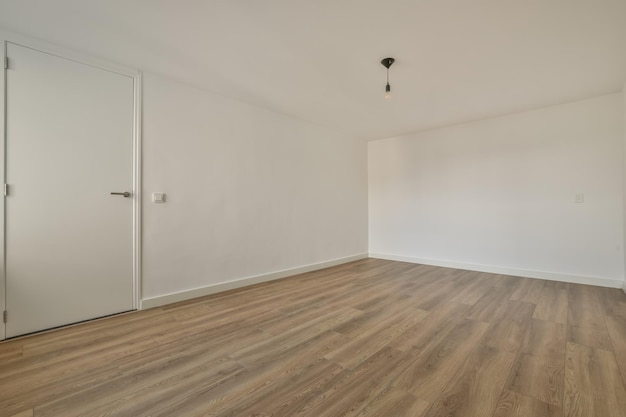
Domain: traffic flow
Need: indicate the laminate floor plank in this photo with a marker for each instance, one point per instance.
(366, 338)
(435, 294)
(557, 285)
(552, 305)
(375, 338)
(138, 367)
(12, 353)
(538, 377)
(283, 372)
(545, 338)
(476, 387)
(617, 331)
(508, 328)
(477, 286)
(528, 290)
(489, 304)
(291, 394)
(498, 280)
(613, 304)
(538, 370)
(26, 413)
(284, 341)
(352, 394)
(612, 301)
(512, 404)
(594, 387)
(435, 366)
(352, 299)
(258, 379)
(437, 324)
(395, 403)
(591, 336)
(141, 393)
(584, 308)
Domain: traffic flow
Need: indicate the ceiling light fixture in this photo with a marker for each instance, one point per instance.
(387, 63)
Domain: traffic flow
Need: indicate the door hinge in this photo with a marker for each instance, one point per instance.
(6, 62)
(6, 190)
(4, 316)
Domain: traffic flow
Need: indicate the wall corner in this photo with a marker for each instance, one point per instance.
(624, 181)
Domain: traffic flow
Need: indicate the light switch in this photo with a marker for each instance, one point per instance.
(158, 197)
(580, 198)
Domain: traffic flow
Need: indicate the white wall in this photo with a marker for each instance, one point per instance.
(498, 194)
(252, 194)
(249, 191)
(624, 181)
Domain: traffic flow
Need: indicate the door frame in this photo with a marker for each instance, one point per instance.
(136, 75)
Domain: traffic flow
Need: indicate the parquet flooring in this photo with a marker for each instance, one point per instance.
(368, 338)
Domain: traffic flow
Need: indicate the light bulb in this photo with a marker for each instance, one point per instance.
(387, 63)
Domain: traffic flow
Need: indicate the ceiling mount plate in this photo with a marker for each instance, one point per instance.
(387, 62)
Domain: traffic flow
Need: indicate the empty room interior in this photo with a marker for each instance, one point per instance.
(402, 208)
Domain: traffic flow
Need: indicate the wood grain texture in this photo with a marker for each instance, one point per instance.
(538, 371)
(545, 338)
(434, 367)
(591, 336)
(368, 338)
(617, 332)
(584, 307)
(395, 403)
(512, 404)
(538, 377)
(594, 386)
(529, 290)
(25, 413)
(475, 389)
(613, 303)
(508, 329)
(552, 305)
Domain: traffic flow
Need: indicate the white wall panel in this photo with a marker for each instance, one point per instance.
(500, 192)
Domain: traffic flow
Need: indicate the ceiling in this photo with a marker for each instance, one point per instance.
(319, 60)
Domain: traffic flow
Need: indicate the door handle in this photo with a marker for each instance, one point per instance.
(126, 194)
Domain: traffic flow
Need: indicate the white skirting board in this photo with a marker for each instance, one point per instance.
(551, 276)
(244, 282)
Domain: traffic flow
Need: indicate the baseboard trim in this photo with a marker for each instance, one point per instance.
(243, 282)
(551, 276)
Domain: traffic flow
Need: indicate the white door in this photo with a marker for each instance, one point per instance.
(69, 144)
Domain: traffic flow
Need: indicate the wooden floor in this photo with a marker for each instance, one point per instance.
(368, 338)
